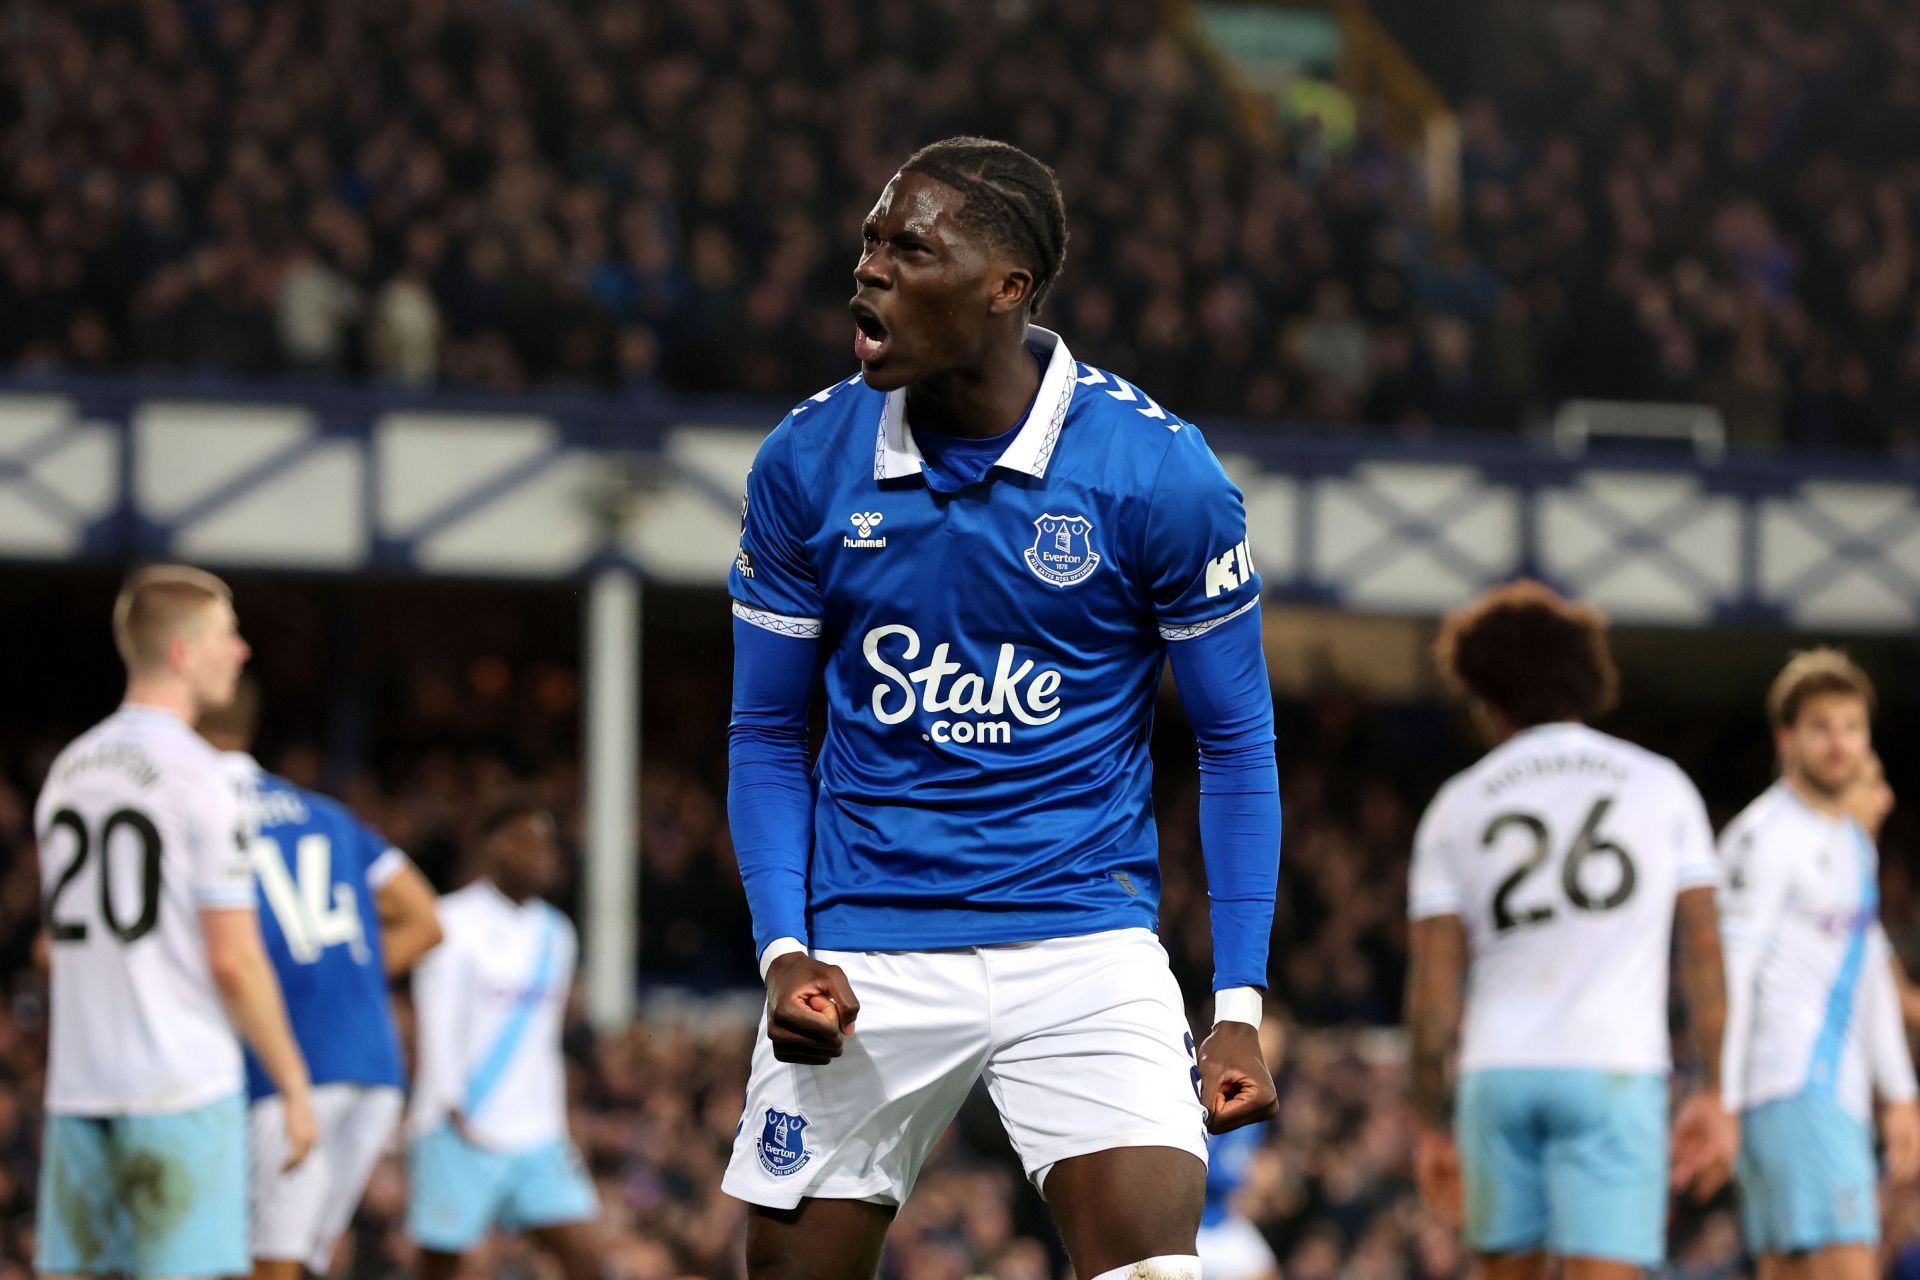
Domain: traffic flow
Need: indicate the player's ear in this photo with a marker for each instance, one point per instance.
(1014, 292)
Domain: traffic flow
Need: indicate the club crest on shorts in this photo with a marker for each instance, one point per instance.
(1062, 552)
(782, 1143)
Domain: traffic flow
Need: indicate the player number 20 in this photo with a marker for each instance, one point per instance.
(1587, 846)
(146, 842)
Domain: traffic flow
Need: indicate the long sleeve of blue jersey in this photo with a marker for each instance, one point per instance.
(1222, 676)
(769, 785)
(776, 630)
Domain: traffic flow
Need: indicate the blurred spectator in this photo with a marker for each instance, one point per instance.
(403, 330)
(315, 310)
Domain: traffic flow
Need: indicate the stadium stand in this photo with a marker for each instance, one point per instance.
(1664, 202)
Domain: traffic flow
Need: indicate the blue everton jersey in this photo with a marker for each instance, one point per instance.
(312, 860)
(992, 646)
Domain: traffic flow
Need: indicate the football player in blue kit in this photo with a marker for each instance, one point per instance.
(989, 552)
(344, 912)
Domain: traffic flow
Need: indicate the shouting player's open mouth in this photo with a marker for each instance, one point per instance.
(870, 339)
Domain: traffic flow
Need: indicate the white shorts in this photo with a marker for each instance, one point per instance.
(300, 1216)
(1234, 1249)
(1083, 1044)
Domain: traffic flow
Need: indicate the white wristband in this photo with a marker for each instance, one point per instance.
(777, 948)
(1238, 1004)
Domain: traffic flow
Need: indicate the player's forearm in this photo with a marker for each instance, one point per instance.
(770, 809)
(1741, 960)
(769, 783)
(251, 994)
(1222, 677)
(1704, 980)
(1434, 1007)
(1240, 844)
(1889, 1055)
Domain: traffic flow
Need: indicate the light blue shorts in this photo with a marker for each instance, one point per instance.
(1806, 1176)
(461, 1191)
(149, 1195)
(1570, 1162)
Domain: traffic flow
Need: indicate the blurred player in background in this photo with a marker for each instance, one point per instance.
(1815, 1031)
(1230, 1246)
(489, 1121)
(991, 551)
(1551, 877)
(345, 912)
(156, 959)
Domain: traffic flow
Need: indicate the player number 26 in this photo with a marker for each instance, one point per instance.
(1576, 878)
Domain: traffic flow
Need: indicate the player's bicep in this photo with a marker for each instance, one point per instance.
(1436, 978)
(1199, 565)
(1696, 925)
(232, 937)
(401, 894)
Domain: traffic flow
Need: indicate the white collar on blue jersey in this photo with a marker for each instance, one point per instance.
(895, 454)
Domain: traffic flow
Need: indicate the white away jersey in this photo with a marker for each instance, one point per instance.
(139, 828)
(1562, 852)
(1811, 1000)
(489, 1005)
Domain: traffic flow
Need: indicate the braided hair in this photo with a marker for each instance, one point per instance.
(1010, 197)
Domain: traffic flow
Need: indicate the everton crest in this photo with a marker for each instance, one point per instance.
(1062, 552)
(782, 1143)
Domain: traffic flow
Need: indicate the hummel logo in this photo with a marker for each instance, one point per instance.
(863, 523)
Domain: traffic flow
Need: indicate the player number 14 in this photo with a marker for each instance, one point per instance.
(314, 912)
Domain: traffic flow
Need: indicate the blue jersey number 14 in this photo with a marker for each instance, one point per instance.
(300, 899)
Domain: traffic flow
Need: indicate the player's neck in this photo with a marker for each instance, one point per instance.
(163, 694)
(1814, 798)
(516, 894)
(980, 403)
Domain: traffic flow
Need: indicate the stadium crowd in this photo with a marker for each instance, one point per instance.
(1696, 201)
(655, 1108)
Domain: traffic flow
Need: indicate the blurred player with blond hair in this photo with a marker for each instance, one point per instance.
(1814, 1033)
(156, 958)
